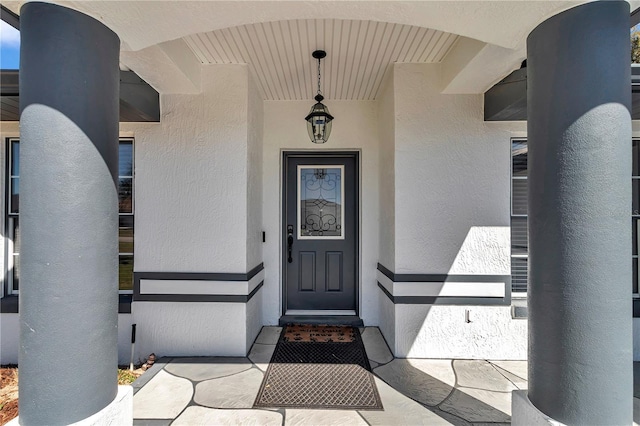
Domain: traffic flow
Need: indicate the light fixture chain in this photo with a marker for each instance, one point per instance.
(319, 91)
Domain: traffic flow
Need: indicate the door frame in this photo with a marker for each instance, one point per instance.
(355, 154)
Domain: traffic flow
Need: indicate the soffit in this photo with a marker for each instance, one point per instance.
(358, 54)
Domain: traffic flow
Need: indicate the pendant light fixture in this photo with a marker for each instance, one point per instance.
(319, 119)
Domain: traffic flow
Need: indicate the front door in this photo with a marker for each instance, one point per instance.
(320, 232)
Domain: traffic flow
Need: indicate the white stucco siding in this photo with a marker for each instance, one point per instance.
(386, 126)
(9, 338)
(254, 319)
(190, 329)
(354, 128)
(434, 331)
(388, 321)
(255, 126)
(124, 339)
(451, 180)
(192, 183)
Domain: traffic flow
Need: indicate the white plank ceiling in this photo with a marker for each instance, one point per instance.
(358, 54)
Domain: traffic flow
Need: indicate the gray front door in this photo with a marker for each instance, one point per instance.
(320, 231)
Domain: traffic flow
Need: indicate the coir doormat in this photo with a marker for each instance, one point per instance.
(318, 333)
(323, 373)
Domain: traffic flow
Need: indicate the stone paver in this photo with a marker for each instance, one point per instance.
(164, 397)
(261, 355)
(425, 380)
(477, 405)
(481, 375)
(193, 416)
(323, 417)
(482, 393)
(269, 335)
(413, 391)
(237, 391)
(199, 369)
(400, 410)
(516, 371)
(376, 346)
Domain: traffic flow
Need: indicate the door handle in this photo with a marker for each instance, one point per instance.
(290, 242)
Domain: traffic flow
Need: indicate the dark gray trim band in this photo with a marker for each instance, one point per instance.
(437, 278)
(190, 276)
(224, 298)
(198, 276)
(433, 300)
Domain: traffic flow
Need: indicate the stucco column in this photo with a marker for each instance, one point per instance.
(69, 94)
(579, 131)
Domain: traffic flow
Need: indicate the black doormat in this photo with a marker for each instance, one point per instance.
(320, 375)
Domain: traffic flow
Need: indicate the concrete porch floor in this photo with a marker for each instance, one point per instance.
(220, 391)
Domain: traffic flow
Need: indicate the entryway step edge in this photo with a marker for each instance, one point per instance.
(352, 320)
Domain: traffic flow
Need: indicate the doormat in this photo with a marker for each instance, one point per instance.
(318, 333)
(329, 374)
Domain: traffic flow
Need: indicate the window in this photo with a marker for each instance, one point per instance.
(13, 224)
(635, 212)
(519, 206)
(519, 236)
(126, 215)
(125, 203)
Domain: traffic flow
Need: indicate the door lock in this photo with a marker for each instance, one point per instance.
(290, 241)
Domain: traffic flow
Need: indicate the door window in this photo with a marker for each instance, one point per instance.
(320, 204)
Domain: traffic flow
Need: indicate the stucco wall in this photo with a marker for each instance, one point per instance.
(254, 175)
(451, 193)
(354, 128)
(9, 338)
(433, 331)
(199, 209)
(387, 129)
(190, 329)
(192, 179)
(451, 180)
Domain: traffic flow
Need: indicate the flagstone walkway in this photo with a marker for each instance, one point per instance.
(218, 391)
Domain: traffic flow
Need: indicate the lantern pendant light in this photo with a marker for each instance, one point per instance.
(319, 119)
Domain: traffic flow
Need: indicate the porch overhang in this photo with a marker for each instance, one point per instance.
(507, 100)
(139, 102)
